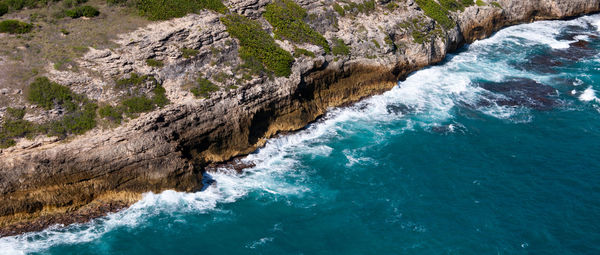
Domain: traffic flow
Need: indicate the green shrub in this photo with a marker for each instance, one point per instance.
(3, 8)
(16, 4)
(116, 2)
(114, 114)
(299, 52)
(253, 66)
(138, 104)
(467, 2)
(496, 4)
(135, 80)
(82, 11)
(79, 118)
(189, 53)
(480, 3)
(47, 94)
(154, 62)
(14, 126)
(340, 48)
(6, 142)
(15, 27)
(77, 122)
(160, 98)
(453, 5)
(391, 6)
(339, 9)
(167, 9)
(286, 17)
(257, 44)
(14, 113)
(204, 88)
(436, 12)
(356, 8)
(420, 31)
(71, 3)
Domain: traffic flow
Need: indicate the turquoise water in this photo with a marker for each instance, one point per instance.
(494, 151)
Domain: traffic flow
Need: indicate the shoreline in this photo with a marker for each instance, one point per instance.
(159, 151)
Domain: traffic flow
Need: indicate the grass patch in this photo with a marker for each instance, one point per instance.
(340, 48)
(480, 3)
(287, 18)
(167, 9)
(496, 4)
(436, 12)
(257, 45)
(15, 27)
(203, 88)
(154, 62)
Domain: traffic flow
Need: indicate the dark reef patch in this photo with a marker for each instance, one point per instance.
(520, 92)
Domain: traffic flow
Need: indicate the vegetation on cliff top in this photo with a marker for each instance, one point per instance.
(353, 8)
(79, 113)
(82, 11)
(163, 10)
(136, 101)
(203, 87)
(15, 27)
(340, 48)
(287, 19)
(3, 8)
(257, 44)
(436, 12)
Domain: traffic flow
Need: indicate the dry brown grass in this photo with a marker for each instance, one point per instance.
(57, 42)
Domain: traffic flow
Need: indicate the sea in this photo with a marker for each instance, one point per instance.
(496, 150)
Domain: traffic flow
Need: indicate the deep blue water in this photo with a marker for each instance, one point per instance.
(494, 151)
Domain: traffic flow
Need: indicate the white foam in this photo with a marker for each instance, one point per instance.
(588, 95)
(260, 242)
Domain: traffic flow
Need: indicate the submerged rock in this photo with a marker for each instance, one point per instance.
(521, 92)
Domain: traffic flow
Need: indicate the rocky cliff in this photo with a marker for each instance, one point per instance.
(44, 181)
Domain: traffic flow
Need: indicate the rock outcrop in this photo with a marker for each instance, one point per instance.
(45, 182)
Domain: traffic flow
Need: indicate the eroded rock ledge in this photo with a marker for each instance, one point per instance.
(105, 170)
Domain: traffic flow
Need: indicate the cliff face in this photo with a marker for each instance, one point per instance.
(42, 183)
